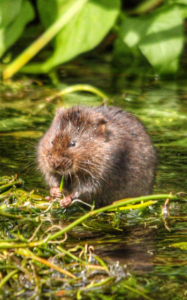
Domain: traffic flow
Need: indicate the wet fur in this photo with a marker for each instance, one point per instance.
(113, 156)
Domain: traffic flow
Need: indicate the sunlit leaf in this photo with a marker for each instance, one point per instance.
(159, 36)
(164, 40)
(83, 32)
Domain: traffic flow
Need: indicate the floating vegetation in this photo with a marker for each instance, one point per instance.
(37, 259)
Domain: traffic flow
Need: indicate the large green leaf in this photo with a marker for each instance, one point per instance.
(132, 30)
(53, 10)
(164, 40)
(9, 34)
(84, 31)
(159, 36)
(9, 9)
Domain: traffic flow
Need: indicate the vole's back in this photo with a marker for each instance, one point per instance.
(133, 157)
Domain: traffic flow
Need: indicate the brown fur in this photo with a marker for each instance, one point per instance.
(113, 157)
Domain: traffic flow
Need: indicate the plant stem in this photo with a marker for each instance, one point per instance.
(80, 87)
(93, 285)
(6, 187)
(96, 267)
(109, 207)
(9, 245)
(7, 277)
(70, 254)
(29, 254)
(137, 292)
(10, 215)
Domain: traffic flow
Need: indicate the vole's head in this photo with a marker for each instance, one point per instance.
(75, 142)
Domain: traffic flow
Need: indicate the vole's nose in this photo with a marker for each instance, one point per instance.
(61, 163)
(55, 164)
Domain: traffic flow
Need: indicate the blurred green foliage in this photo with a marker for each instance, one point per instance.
(14, 15)
(151, 31)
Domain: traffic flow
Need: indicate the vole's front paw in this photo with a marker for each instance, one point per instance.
(55, 192)
(65, 202)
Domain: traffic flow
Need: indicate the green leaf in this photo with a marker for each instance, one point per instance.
(52, 11)
(8, 11)
(164, 40)
(133, 30)
(84, 31)
(159, 36)
(9, 34)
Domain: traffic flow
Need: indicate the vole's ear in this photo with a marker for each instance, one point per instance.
(56, 121)
(100, 121)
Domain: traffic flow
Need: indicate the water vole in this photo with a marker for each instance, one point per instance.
(103, 152)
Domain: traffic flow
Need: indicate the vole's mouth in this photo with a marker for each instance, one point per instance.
(60, 165)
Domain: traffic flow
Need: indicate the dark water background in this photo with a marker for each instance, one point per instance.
(142, 245)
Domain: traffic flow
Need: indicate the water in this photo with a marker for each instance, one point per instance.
(161, 106)
(143, 244)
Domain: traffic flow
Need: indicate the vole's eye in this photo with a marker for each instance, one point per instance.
(52, 142)
(72, 144)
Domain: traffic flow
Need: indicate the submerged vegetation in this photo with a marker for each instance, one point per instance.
(148, 33)
(40, 259)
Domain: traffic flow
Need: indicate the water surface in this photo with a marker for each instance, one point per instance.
(142, 244)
